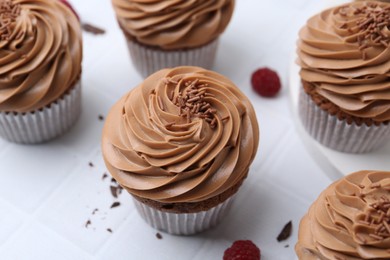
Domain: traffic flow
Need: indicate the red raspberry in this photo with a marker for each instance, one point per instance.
(242, 250)
(65, 2)
(266, 82)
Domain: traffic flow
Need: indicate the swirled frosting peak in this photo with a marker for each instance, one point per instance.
(40, 53)
(174, 24)
(183, 135)
(344, 53)
(350, 220)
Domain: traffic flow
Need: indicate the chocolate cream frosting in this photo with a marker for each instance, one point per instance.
(40, 53)
(350, 220)
(183, 135)
(174, 24)
(344, 53)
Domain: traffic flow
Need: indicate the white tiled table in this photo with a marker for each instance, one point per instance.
(49, 191)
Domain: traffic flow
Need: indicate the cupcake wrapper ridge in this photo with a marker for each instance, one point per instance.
(338, 134)
(149, 60)
(44, 124)
(183, 223)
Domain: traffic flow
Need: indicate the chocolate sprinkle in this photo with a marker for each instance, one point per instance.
(8, 15)
(92, 29)
(371, 27)
(104, 176)
(100, 117)
(192, 103)
(94, 211)
(377, 218)
(109, 230)
(90, 164)
(158, 235)
(286, 232)
(115, 204)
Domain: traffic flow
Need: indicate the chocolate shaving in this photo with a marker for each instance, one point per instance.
(286, 232)
(104, 176)
(158, 235)
(109, 230)
(87, 223)
(115, 204)
(114, 191)
(92, 29)
(94, 211)
(90, 164)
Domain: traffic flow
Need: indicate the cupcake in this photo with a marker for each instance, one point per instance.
(344, 54)
(350, 220)
(166, 34)
(181, 144)
(40, 68)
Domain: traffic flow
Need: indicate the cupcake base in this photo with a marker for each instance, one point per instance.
(339, 134)
(148, 60)
(183, 223)
(43, 124)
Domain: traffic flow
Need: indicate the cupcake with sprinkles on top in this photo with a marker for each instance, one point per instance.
(350, 220)
(344, 54)
(40, 69)
(181, 144)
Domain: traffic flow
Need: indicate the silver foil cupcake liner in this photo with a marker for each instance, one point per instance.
(338, 134)
(44, 124)
(149, 60)
(183, 223)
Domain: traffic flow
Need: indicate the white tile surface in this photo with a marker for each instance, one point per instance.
(48, 192)
(29, 174)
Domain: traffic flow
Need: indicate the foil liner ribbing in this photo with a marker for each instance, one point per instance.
(338, 134)
(149, 60)
(44, 124)
(183, 223)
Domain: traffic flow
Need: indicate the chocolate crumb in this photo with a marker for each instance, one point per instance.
(159, 236)
(115, 204)
(100, 117)
(104, 176)
(286, 232)
(90, 164)
(87, 223)
(109, 230)
(114, 191)
(94, 211)
(92, 29)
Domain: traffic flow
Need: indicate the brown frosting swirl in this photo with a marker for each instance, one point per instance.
(40, 53)
(345, 53)
(174, 24)
(183, 135)
(349, 220)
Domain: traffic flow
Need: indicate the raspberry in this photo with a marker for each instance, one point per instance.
(65, 2)
(266, 82)
(242, 250)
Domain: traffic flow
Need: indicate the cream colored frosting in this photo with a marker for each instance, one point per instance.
(350, 220)
(350, 71)
(155, 151)
(174, 24)
(40, 56)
